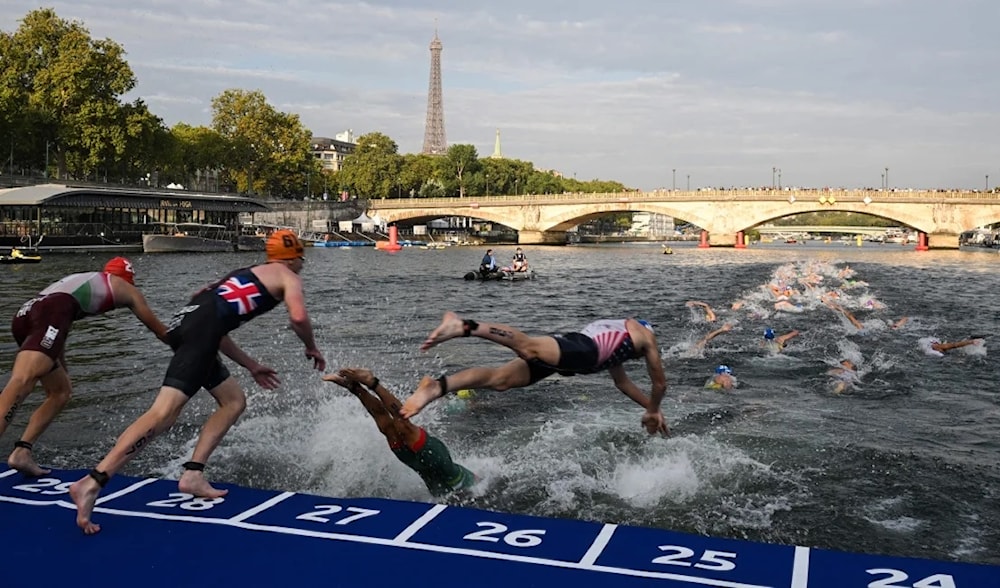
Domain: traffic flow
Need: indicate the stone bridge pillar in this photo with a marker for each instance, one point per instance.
(727, 239)
(942, 241)
(525, 237)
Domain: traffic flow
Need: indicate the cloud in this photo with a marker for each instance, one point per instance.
(831, 91)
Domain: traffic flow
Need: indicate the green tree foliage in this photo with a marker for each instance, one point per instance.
(59, 86)
(459, 163)
(418, 170)
(269, 152)
(373, 170)
(194, 156)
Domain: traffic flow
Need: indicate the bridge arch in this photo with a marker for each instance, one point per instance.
(722, 213)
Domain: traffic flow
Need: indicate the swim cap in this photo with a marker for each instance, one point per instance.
(646, 324)
(769, 333)
(121, 267)
(723, 369)
(282, 245)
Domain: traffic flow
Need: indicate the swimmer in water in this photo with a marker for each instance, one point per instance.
(722, 379)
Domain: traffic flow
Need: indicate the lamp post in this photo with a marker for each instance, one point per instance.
(46, 174)
(883, 180)
(779, 179)
(517, 191)
(987, 182)
(689, 182)
(774, 170)
(886, 178)
(487, 184)
(674, 184)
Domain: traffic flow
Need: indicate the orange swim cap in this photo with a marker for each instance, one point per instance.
(283, 244)
(121, 267)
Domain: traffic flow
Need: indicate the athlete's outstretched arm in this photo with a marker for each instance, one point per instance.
(266, 377)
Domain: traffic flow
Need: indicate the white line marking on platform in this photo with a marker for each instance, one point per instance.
(597, 547)
(125, 490)
(419, 523)
(8, 473)
(261, 507)
(800, 568)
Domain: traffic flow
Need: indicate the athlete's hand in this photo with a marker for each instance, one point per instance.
(265, 377)
(654, 423)
(319, 362)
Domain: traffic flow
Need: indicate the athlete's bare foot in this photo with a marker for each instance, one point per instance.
(426, 391)
(451, 326)
(84, 494)
(21, 460)
(194, 482)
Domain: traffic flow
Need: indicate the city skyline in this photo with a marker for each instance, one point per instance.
(829, 92)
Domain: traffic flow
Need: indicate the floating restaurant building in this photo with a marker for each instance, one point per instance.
(67, 215)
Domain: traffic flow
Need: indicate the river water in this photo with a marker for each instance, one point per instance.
(907, 462)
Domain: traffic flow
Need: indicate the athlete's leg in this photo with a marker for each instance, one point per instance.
(544, 348)
(29, 367)
(156, 420)
(513, 374)
(232, 402)
(57, 393)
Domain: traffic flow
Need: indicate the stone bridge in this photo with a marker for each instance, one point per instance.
(724, 215)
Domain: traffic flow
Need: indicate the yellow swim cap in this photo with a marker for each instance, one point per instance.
(465, 394)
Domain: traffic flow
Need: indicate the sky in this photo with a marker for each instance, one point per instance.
(650, 93)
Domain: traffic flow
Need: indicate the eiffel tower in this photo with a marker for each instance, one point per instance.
(434, 141)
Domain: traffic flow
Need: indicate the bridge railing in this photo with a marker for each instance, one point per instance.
(696, 195)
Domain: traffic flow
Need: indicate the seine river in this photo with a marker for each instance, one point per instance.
(905, 463)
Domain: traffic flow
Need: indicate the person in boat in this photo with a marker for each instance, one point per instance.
(41, 328)
(602, 345)
(776, 343)
(414, 446)
(722, 379)
(489, 264)
(520, 262)
(197, 333)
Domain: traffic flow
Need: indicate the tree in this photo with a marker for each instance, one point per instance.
(416, 170)
(196, 155)
(372, 171)
(269, 151)
(459, 161)
(58, 83)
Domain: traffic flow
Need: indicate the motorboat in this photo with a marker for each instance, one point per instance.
(502, 274)
(16, 256)
(189, 237)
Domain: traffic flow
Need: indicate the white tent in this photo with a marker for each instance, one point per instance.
(378, 222)
(367, 225)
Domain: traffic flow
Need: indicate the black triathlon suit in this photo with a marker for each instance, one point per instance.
(195, 331)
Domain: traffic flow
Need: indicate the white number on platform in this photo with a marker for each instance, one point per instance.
(522, 538)
(935, 581)
(709, 560)
(319, 515)
(186, 501)
(45, 486)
